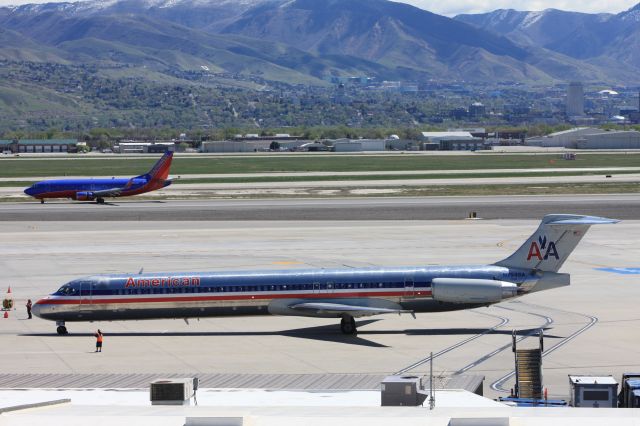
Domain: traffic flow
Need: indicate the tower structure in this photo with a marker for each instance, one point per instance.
(575, 99)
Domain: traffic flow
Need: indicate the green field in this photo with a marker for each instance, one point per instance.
(114, 166)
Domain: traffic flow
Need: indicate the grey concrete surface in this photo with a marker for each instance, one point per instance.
(622, 206)
(37, 257)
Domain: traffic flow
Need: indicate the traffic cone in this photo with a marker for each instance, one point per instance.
(9, 290)
(6, 314)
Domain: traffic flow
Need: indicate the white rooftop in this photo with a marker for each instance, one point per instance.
(593, 380)
(282, 408)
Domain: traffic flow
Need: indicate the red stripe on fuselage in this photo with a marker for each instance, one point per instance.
(147, 299)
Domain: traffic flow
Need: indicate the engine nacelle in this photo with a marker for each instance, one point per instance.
(84, 196)
(464, 290)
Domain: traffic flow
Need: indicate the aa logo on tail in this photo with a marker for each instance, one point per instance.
(537, 248)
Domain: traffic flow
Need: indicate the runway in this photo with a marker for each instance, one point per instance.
(620, 206)
(590, 326)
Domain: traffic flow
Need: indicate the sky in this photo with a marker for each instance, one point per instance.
(455, 7)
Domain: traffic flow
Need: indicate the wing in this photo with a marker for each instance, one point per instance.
(112, 192)
(327, 308)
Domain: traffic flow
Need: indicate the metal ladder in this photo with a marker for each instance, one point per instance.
(528, 370)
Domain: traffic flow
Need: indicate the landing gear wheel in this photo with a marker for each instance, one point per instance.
(62, 330)
(348, 325)
(100, 200)
(41, 200)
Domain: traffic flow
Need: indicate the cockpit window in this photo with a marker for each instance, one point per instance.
(66, 290)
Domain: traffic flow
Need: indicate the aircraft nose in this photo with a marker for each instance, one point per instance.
(36, 309)
(29, 190)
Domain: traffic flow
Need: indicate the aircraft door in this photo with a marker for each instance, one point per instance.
(409, 286)
(86, 292)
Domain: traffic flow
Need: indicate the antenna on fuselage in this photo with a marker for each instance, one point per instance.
(141, 271)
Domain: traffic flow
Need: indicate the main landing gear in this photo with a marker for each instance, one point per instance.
(100, 200)
(348, 325)
(41, 200)
(62, 330)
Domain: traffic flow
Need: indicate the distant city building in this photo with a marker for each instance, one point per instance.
(477, 110)
(575, 100)
(458, 113)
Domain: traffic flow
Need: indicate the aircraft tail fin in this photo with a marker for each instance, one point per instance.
(552, 243)
(160, 170)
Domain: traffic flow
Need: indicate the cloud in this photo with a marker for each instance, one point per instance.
(480, 6)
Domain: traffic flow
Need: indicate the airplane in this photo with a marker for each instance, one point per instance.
(99, 189)
(327, 293)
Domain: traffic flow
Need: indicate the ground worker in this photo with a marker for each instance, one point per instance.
(29, 308)
(98, 336)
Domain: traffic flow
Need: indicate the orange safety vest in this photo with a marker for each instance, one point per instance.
(99, 338)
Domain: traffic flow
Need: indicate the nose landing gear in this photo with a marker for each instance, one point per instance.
(62, 330)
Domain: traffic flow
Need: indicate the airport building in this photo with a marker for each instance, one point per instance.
(356, 145)
(588, 138)
(144, 147)
(611, 140)
(38, 145)
(451, 141)
(251, 144)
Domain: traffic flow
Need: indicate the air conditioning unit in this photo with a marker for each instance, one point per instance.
(172, 391)
(402, 391)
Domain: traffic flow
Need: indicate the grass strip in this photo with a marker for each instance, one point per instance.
(114, 166)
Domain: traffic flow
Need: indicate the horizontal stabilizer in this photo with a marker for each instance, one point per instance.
(583, 220)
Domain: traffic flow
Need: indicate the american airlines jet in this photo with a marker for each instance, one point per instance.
(99, 189)
(327, 293)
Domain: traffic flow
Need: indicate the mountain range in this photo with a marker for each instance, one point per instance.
(304, 41)
(601, 39)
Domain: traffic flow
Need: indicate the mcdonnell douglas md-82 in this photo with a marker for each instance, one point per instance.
(99, 189)
(325, 293)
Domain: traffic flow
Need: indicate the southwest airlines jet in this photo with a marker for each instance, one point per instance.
(98, 189)
(327, 293)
